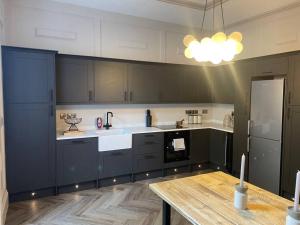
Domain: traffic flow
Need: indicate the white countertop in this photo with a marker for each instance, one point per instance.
(140, 130)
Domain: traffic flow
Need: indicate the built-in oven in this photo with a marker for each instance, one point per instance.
(176, 146)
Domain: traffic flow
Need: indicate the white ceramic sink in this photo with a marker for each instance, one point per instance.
(113, 139)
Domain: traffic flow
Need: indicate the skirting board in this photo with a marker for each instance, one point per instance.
(4, 207)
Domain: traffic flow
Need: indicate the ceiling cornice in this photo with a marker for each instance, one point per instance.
(265, 14)
(193, 5)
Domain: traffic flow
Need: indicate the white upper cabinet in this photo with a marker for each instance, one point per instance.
(175, 49)
(46, 29)
(123, 41)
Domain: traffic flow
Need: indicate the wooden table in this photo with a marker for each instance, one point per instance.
(208, 199)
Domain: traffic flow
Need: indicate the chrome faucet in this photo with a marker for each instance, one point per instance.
(108, 125)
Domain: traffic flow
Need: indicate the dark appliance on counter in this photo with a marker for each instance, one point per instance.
(148, 118)
(181, 152)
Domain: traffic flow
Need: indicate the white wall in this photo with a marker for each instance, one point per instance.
(77, 30)
(3, 191)
(272, 34)
(134, 115)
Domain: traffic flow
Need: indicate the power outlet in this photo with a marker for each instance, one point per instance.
(204, 111)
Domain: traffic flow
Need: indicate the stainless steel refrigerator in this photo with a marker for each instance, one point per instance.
(265, 133)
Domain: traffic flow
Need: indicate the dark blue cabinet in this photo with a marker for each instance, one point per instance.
(77, 161)
(29, 108)
(115, 163)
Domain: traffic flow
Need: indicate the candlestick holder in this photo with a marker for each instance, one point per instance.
(240, 197)
(293, 217)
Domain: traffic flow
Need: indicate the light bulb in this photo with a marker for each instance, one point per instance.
(216, 60)
(194, 47)
(188, 39)
(229, 47)
(188, 53)
(237, 36)
(219, 37)
(239, 47)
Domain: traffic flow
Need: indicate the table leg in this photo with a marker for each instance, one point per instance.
(166, 220)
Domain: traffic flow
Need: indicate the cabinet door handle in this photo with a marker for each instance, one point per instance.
(130, 96)
(267, 72)
(116, 153)
(79, 142)
(51, 95)
(90, 95)
(125, 96)
(226, 143)
(149, 157)
(248, 144)
(148, 135)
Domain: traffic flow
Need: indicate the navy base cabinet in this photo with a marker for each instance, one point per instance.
(77, 161)
(29, 110)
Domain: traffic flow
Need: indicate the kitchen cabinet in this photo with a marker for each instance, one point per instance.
(115, 163)
(110, 82)
(199, 146)
(294, 80)
(144, 82)
(29, 112)
(222, 85)
(148, 152)
(220, 151)
(291, 154)
(77, 161)
(272, 65)
(75, 80)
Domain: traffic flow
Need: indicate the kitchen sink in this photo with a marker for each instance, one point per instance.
(113, 139)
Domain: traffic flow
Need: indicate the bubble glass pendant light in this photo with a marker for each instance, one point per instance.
(217, 48)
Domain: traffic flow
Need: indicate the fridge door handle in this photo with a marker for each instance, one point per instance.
(248, 144)
(249, 127)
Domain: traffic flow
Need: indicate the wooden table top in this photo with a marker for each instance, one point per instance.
(208, 199)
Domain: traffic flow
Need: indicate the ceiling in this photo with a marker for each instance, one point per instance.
(188, 12)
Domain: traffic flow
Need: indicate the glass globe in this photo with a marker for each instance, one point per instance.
(237, 36)
(219, 37)
(188, 39)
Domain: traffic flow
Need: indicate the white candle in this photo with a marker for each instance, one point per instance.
(296, 200)
(242, 171)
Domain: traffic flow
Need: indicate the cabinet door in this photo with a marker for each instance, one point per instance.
(110, 82)
(74, 80)
(194, 87)
(223, 86)
(77, 161)
(217, 153)
(29, 147)
(115, 163)
(147, 162)
(272, 65)
(294, 81)
(199, 147)
(144, 81)
(170, 84)
(291, 157)
(28, 75)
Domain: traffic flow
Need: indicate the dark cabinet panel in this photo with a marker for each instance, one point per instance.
(77, 161)
(272, 65)
(223, 85)
(115, 163)
(199, 147)
(29, 109)
(148, 162)
(142, 140)
(218, 148)
(294, 81)
(28, 74)
(291, 153)
(74, 80)
(144, 81)
(110, 82)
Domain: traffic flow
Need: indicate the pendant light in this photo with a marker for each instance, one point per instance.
(215, 49)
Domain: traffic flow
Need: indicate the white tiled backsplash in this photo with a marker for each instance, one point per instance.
(134, 115)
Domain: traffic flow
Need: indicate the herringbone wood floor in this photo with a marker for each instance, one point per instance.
(125, 204)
